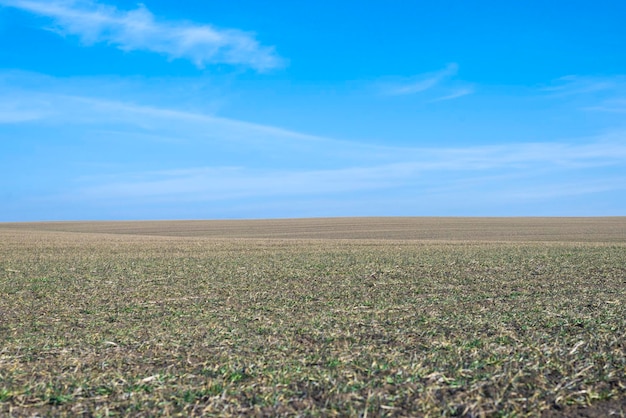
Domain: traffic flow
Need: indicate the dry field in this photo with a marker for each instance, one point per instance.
(349, 317)
(454, 229)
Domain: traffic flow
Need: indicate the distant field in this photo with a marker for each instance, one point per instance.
(318, 317)
(609, 229)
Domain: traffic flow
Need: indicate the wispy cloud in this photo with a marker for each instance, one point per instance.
(59, 109)
(610, 106)
(160, 124)
(219, 183)
(553, 189)
(439, 85)
(229, 162)
(455, 94)
(47, 104)
(13, 113)
(420, 82)
(139, 29)
(573, 85)
(605, 94)
(428, 172)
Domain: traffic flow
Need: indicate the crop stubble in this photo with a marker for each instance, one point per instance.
(384, 317)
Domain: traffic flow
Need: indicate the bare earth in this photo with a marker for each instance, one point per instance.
(515, 317)
(601, 229)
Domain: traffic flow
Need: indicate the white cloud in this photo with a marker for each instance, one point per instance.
(169, 125)
(425, 169)
(440, 84)
(420, 82)
(515, 171)
(241, 160)
(610, 106)
(455, 94)
(218, 183)
(605, 94)
(552, 189)
(44, 101)
(573, 85)
(139, 29)
(11, 114)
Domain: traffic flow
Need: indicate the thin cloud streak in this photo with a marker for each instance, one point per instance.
(421, 82)
(454, 95)
(610, 106)
(591, 94)
(171, 124)
(139, 29)
(174, 125)
(573, 85)
(10, 115)
(567, 189)
(60, 109)
(227, 183)
(424, 170)
(239, 160)
(220, 183)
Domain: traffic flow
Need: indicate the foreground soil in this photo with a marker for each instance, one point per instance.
(610, 408)
(314, 318)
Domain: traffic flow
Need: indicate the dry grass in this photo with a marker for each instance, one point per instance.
(469, 229)
(111, 324)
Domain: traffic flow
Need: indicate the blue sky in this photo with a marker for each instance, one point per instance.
(245, 109)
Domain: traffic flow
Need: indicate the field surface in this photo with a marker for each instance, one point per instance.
(314, 317)
(456, 229)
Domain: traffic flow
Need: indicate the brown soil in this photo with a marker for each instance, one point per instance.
(610, 408)
(598, 229)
